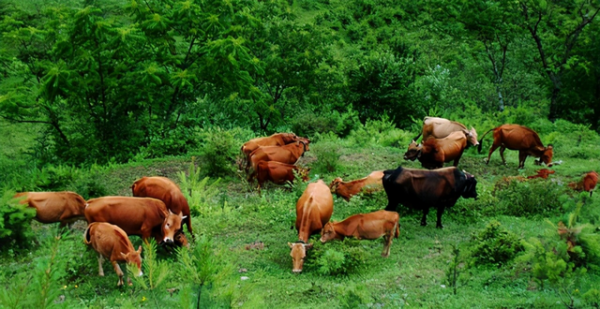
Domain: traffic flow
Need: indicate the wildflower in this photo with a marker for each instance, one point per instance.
(144, 298)
(64, 287)
(76, 286)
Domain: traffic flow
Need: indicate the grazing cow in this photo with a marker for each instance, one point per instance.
(365, 226)
(50, 207)
(278, 172)
(368, 184)
(587, 183)
(313, 210)
(277, 139)
(413, 151)
(288, 154)
(523, 139)
(441, 127)
(422, 189)
(543, 173)
(142, 216)
(435, 152)
(111, 242)
(164, 189)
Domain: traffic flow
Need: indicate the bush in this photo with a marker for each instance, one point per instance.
(530, 198)
(495, 245)
(198, 192)
(219, 150)
(341, 258)
(15, 227)
(328, 156)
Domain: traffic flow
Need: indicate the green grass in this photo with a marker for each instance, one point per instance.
(413, 275)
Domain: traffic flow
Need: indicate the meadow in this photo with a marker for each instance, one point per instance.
(242, 257)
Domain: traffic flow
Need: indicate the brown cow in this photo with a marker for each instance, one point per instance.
(277, 139)
(50, 207)
(365, 226)
(587, 183)
(288, 154)
(435, 152)
(367, 184)
(413, 151)
(142, 216)
(313, 210)
(441, 127)
(278, 172)
(111, 242)
(166, 190)
(523, 139)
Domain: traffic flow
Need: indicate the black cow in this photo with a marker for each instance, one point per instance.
(422, 189)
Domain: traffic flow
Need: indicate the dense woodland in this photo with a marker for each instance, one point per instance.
(96, 94)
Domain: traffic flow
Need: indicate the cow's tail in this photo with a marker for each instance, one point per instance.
(397, 229)
(481, 140)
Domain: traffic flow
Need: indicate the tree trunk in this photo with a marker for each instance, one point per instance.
(553, 115)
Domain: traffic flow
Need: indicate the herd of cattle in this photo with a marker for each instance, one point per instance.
(159, 208)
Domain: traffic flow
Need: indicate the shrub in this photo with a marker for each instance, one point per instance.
(198, 193)
(15, 227)
(495, 245)
(529, 198)
(219, 150)
(341, 258)
(328, 156)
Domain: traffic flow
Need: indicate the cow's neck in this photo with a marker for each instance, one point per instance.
(341, 230)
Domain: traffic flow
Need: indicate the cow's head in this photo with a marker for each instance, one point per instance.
(328, 232)
(413, 151)
(298, 254)
(289, 138)
(471, 136)
(172, 225)
(334, 184)
(470, 188)
(134, 257)
(304, 146)
(547, 154)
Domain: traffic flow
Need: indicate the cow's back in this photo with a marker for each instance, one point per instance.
(128, 213)
(164, 189)
(51, 207)
(517, 137)
(440, 127)
(315, 207)
(107, 239)
(421, 188)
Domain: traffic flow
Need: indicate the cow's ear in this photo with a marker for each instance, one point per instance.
(289, 244)
(170, 212)
(139, 250)
(308, 246)
(123, 255)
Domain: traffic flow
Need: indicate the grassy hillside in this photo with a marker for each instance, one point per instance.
(230, 215)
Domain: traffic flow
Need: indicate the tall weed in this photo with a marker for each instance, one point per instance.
(198, 192)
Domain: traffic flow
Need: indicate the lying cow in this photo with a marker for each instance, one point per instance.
(288, 154)
(368, 184)
(440, 128)
(523, 139)
(422, 189)
(365, 226)
(111, 242)
(142, 216)
(278, 172)
(50, 207)
(587, 183)
(166, 190)
(543, 173)
(435, 152)
(313, 211)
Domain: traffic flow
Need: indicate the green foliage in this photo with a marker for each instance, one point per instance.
(340, 259)
(15, 226)
(529, 198)
(199, 194)
(328, 156)
(495, 245)
(219, 149)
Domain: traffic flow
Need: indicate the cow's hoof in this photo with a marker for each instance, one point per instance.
(384, 255)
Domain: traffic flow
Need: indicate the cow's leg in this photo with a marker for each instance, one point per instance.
(424, 219)
(458, 158)
(388, 240)
(440, 211)
(100, 261)
(492, 149)
(391, 206)
(118, 271)
(502, 154)
(522, 158)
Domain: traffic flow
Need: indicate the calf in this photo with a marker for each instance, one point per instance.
(543, 173)
(278, 172)
(140, 216)
(435, 152)
(422, 189)
(50, 207)
(523, 139)
(587, 183)
(313, 211)
(112, 243)
(166, 190)
(368, 184)
(365, 226)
